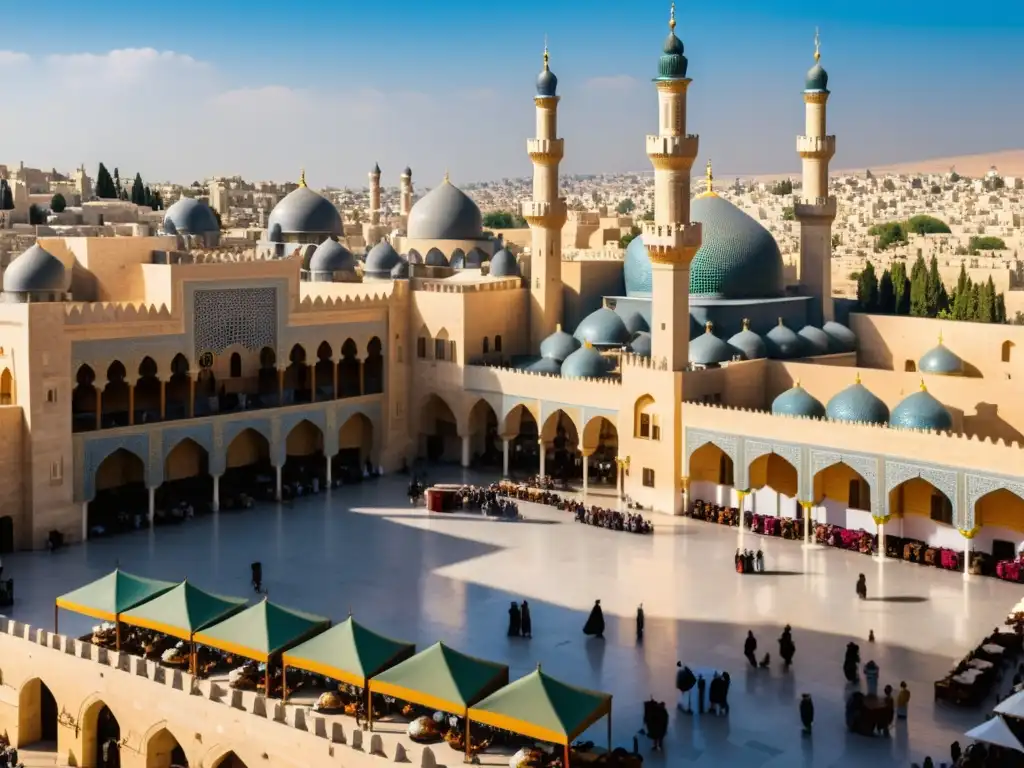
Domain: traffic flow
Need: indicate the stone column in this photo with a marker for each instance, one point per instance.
(280, 386)
(163, 399)
(465, 450)
(152, 505)
(807, 505)
(277, 487)
(131, 405)
(334, 372)
(330, 468)
(881, 542)
(215, 502)
(741, 496)
(967, 554)
(686, 495)
(99, 408)
(543, 451)
(618, 479)
(191, 395)
(312, 382)
(504, 456)
(586, 472)
(85, 521)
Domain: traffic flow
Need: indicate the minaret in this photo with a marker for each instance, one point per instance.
(375, 195)
(546, 212)
(671, 240)
(406, 199)
(814, 208)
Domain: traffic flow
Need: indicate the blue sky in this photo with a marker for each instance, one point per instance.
(262, 89)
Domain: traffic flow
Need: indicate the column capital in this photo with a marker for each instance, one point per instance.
(587, 452)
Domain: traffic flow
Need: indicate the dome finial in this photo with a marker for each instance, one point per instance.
(672, 18)
(709, 181)
(923, 387)
(447, 178)
(817, 45)
(546, 53)
(709, 326)
(302, 177)
(746, 323)
(940, 338)
(856, 379)
(796, 384)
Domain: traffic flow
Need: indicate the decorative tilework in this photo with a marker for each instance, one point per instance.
(730, 445)
(865, 466)
(945, 480)
(97, 449)
(979, 486)
(226, 316)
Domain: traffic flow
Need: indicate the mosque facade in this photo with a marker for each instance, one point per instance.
(136, 370)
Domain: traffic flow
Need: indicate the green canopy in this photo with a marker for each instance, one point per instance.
(543, 708)
(442, 678)
(261, 631)
(183, 611)
(115, 593)
(348, 652)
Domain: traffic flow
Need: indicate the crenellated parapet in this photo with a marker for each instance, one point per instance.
(586, 254)
(443, 286)
(374, 300)
(629, 360)
(100, 313)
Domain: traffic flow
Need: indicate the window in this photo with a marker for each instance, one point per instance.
(51, 395)
(236, 365)
(910, 366)
(57, 471)
(487, 345)
(655, 432)
(497, 343)
(1007, 347)
(421, 348)
(645, 425)
(648, 478)
(860, 495)
(942, 509)
(451, 352)
(725, 470)
(439, 349)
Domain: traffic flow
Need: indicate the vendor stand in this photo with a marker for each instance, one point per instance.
(107, 598)
(543, 708)
(349, 653)
(443, 498)
(181, 612)
(261, 633)
(996, 731)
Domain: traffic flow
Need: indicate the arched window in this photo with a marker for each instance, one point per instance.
(439, 348)
(942, 508)
(725, 470)
(910, 366)
(487, 345)
(645, 419)
(421, 348)
(497, 343)
(236, 365)
(1007, 348)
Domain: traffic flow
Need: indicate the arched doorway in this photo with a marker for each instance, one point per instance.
(164, 751)
(101, 734)
(6, 534)
(925, 514)
(601, 443)
(37, 714)
(304, 459)
(247, 468)
(561, 444)
(355, 448)
(121, 502)
(843, 497)
(179, 390)
(6, 387)
(349, 371)
(485, 444)
(187, 483)
(999, 515)
(206, 391)
(297, 377)
(230, 760)
(147, 393)
(524, 452)
(83, 401)
(373, 368)
(115, 397)
(267, 381)
(324, 372)
(775, 485)
(439, 432)
(712, 476)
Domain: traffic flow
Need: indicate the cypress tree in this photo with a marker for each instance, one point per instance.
(117, 184)
(886, 295)
(867, 289)
(105, 188)
(974, 302)
(919, 289)
(1000, 308)
(900, 288)
(986, 303)
(934, 292)
(138, 190)
(960, 296)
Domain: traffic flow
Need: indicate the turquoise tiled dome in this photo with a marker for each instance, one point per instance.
(782, 343)
(635, 323)
(559, 345)
(738, 259)
(545, 365)
(602, 328)
(381, 259)
(672, 64)
(941, 361)
(585, 363)
(547, 83)
(748, 343)
(921, 411)
(797, 401)
(708, 349)
(504, 264)
(816, 341)
(817, 78)
(842, 338)
(641, 345)
(856, 403)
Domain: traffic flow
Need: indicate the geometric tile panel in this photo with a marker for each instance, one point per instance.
(944, 480)
(865, 466)
(225, 316)
(979, 486)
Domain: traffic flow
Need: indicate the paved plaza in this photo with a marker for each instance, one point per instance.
(450, 577)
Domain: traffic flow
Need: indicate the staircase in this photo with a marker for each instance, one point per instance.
(40, 755)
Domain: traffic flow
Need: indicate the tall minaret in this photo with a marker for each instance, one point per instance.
(375, 195)
(671, 239)
(546, 212)
(406, 199)
(814, 208)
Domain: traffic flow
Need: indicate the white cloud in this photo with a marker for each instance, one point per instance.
(611, 83)
(13, 58)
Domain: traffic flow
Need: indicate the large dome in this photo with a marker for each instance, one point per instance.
(445, 213)
(602, 328)
(559, 345)
(35, 271)
(332, 256)
(708, 349)
(797, 401)
(190, 217)
(585, 363)
(921, 411)
(942, 361)
(381, 259)
(303, 211)
(739, 259)
(856, 403)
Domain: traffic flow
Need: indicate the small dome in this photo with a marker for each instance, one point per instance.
(545, 365)
(817, 78)
(413, 256)
(547, 83)
(856, 403)
(797, 401)
(641, 345)
(635, 323)
(332, 256)
(602, 328)
(407, 172)
(921, 411)
(672, 64)
(504, 264)
(435, 258)
(445, 213)
(816, 341)
(401, 270)
(35, 271)
(585, 363)
(381, 259)
(474, 259)
(190, 217)
(303, 211)
(941, 361)
(783, 343)
(559, 345)
(842, 337)
(708, 349)
(748, 343)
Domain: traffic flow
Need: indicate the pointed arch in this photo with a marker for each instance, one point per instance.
(187, 458)
(162, 749)
(770, 470)
(304, 439)
(373, 368)
(37, 713)
(6, 387)
(355, 441)
(99, 725)
(600, 434)
(120, 467)
(841, 485)
(84, 400)
(247, 448)
(439, 429)
(646, 424)
(483, 426)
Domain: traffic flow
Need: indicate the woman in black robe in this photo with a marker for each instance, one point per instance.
(640, 623)
(595, 622)
(526, 623)
(514, 620)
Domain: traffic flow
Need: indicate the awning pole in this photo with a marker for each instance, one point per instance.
(609, 730)
(284, 682)
(117, 633)
(56, 611)
(566, 758)
(266, 679)
(369, 708)
(467, 759)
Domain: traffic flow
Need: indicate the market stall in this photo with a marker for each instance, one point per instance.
(996, 731)
(261, 633)
(107, 598)
(543, 708)
(181, 612)
(443, 498)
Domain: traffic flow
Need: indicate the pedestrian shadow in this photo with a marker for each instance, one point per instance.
(897, 599)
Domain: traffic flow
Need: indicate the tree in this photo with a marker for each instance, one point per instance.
(788, 214)
(648, 216)
(837, 240)
(900, 289)
(935, 189)
(6, 196)
(927, 225)
(626, 206)
(986, 302)
(58, 203)
(36, 215)
(867, 289)
(503, 220)
(974, 302)
(985, 243)
(138, 190)
(886, 295)
(960, 296)
(919, 289)
(117, 183)
(105, 189)
(627, 238)
(888, 233)
(889, 185)
(935, 292)
(1000, 308)
(784, 187)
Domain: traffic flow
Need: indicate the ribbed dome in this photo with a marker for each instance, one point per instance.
(547, 83)
(783, 344)
(816, 341)
(585, 363)
(504, 264)
(545, 365)
(401, 270)
(602, 328)
(708, 349)
(641, 345)
(332, 256)
(445, 213)
(856, 403)
(559, 345)
(738, 259)
(191, 217)
(303, 211)
(842, 337)
(474, 259)
(381, 259)
(921, 411)
(672, 64)
(748, 343)
(941, 361)
(797, 401)
(35, 271)
(636, 323)
(435, 258)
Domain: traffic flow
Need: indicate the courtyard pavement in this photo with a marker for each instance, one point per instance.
(427, 577)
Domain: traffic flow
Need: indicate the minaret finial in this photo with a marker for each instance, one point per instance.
(672, 18)
(710, 178)
(940, 338)
(857, 379)
(923, 387)
(447, 179)
(302, 177)
(817, 45)
(546, 53)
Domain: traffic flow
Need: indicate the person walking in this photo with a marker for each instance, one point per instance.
(257, 576)
(902, 700)
(759, 561)
(701, 687)
(525, 622)
(786, 646)
(955, 752)
(725, 692)
(684, 684)
(862, 587)
(806, 712)
(595, 622)
(514, 620)
(640, 623)
(749, 648)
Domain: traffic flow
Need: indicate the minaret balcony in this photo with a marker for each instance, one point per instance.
(544, 214)
(677, 151)
(672, 243)
(545, 151)
(816, 208)
(816, 147)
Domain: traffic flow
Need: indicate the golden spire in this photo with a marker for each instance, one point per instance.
(746, 323)
(302, 177)
(546, 53)
(447, 180)
(817, 46)
(709, 180)
(709, 326)
(923, 387)
(796, 384)
(940, 338)
(672, 18)
(857, 379)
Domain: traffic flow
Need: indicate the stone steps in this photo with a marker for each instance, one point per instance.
(40, 756)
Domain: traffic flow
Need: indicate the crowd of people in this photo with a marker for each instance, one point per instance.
(601, 517)
(749, 562)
